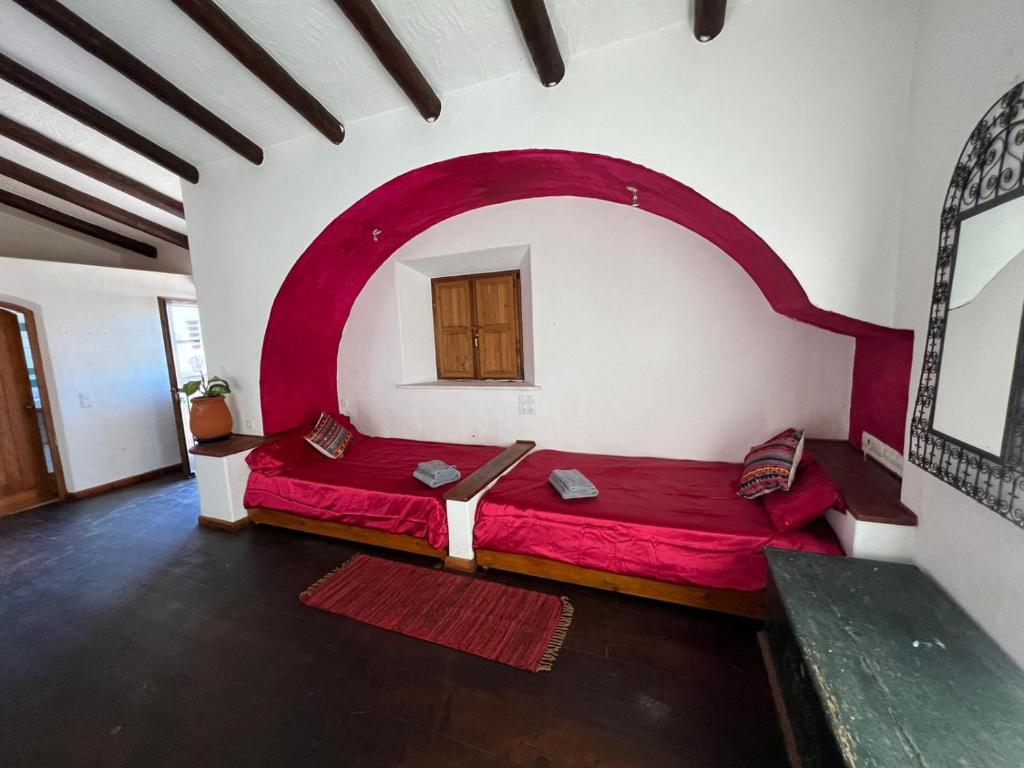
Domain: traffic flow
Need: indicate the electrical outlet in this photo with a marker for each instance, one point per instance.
(884, 454)
(84, 401)
(527, 406)
(249, 425)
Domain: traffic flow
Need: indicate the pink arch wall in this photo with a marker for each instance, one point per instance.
(298, 368)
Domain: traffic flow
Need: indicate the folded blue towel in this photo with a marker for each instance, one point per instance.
(436, 473)
(434, 467)
(572, 484)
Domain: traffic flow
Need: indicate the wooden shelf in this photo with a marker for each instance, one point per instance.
(872, 493)
(232, 445)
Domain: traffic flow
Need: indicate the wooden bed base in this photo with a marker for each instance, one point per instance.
(736, 602)
(400, 541)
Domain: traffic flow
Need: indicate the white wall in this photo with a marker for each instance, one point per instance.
(795, 120)
(792, 120)
(99, 329)
(968, 55)
(648, 340)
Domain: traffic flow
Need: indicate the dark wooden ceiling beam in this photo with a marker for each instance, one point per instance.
(535, 24)
(44, 145)
(57, 97)
(90, 39)
(708, 19)
(43, 183)
(251, 54)
(41, 211)
(365, 17)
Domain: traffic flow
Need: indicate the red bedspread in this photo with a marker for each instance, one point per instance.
(371, 486)
(663, 519)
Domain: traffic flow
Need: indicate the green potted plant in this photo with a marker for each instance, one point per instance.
(209, 416)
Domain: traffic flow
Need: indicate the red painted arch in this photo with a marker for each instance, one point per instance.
(298, 368)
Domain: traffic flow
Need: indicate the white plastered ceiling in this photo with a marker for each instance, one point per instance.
(456, 43)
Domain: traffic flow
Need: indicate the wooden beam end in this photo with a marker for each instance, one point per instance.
(708, 19)
(535, 24)
(431, 112)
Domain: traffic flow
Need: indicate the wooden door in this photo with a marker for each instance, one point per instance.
(24, 480)
(186, 361)
(453, 328)
(496, 300)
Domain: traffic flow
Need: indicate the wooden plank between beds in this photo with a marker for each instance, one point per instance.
(489, 472)
(736, 602)
(400, 541)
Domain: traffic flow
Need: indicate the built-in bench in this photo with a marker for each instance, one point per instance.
(877, 525)
(222, 472)
(873, 665)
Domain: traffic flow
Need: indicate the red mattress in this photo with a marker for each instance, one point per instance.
(664, 519)
(370, 486)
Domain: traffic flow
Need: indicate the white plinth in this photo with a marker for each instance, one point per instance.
(873, 541)
(222, 481)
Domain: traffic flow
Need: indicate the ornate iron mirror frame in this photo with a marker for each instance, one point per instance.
(988, 174)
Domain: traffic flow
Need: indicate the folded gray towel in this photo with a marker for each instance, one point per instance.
(571, 480)
(434, 467)
(436, 481)
(572, 484)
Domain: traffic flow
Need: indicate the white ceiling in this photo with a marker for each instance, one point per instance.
(456, 43)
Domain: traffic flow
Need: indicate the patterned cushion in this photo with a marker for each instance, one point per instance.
(771, 466)
(329, 437)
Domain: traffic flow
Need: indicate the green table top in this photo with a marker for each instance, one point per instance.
(907, 679)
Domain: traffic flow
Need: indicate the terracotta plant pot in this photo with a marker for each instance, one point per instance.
(209, 419)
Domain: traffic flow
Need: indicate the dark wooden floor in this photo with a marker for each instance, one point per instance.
(130, 637)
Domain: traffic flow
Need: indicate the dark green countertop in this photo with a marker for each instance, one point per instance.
(907, 679)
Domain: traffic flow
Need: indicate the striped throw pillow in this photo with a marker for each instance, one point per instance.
(771, 466)
(329, 437)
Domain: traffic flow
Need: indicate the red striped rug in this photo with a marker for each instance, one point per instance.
(518, 627)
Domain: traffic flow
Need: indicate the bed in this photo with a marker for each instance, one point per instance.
(669, 529)
(368, 495)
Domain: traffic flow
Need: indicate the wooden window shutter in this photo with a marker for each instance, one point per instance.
(478, 326)
(453, 328)
(498, 327)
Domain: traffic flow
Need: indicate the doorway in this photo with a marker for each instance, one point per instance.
(186, 361)
(30, 470)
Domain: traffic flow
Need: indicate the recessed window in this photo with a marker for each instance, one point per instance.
(478, 327)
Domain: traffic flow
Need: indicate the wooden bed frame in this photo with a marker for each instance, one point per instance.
(399, 541)
(736, 602)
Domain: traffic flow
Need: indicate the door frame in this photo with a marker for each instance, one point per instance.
(44, 391)
(172, 377)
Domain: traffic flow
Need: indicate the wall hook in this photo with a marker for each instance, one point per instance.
(636, 196)
(376, 235)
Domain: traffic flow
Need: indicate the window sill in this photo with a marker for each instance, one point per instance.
(521, 386)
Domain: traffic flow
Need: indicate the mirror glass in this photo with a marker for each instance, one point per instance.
(982, 328)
